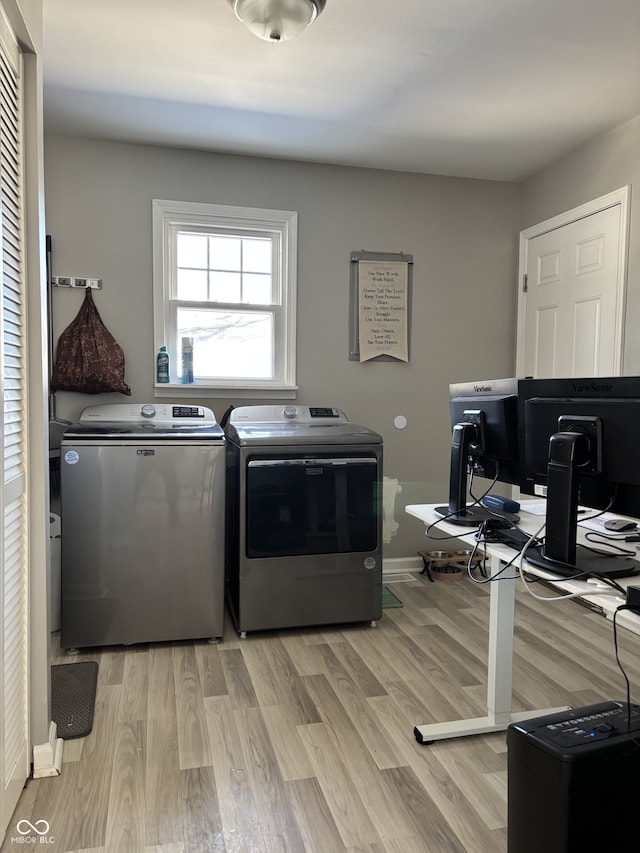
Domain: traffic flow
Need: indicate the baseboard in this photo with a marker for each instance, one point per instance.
(396, 565)
(47, 757)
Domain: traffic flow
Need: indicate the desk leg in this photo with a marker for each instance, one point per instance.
(499, 672)
(500, 650)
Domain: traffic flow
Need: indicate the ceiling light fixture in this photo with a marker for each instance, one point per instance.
(277, 20)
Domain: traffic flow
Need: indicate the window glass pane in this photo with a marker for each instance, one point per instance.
(224, 287)
(225, 253)
(192, 250)
(229, 344)
(256, 289)
(256, 255)
(192, 284)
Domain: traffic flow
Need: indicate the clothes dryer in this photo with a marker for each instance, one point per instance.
(304, 518)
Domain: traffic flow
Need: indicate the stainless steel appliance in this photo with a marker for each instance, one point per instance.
(142, 506)
(304, 510)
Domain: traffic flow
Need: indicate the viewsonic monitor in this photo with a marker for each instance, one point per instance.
(581, 446)
(484, 441)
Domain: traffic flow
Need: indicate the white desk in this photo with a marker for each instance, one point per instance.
(501, 625)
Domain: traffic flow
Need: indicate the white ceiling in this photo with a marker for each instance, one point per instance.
(474, 88)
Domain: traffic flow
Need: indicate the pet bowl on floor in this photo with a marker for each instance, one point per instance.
(447, 572)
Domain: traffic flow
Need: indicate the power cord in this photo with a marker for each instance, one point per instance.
(479, 500)
(634, 608)
(476, 502)
(565, 596)
(497, 576)
(608, 541)
(602, 511)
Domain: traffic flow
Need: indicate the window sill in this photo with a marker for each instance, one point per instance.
(195, 389)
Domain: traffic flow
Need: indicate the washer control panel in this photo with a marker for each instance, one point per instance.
(132, 413)
(197, 412)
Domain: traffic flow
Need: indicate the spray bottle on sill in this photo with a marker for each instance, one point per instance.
(162, 366)
(187, 361)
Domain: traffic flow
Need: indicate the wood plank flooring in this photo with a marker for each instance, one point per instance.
(302, 740)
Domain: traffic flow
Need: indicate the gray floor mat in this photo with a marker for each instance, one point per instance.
(73, 697)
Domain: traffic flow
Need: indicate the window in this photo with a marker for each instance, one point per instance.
(226, 278)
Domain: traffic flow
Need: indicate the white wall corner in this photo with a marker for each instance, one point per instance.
(47, 757)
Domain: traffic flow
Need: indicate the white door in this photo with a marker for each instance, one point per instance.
(14, 613)
(572, 285)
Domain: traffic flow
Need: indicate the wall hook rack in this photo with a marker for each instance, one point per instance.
(74, 281)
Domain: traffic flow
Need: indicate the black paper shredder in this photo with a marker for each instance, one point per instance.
(573, 780)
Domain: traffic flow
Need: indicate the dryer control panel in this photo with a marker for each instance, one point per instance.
(287, 414)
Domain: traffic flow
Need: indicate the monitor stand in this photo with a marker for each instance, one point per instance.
(560, 553)
(457, 511)
(587, 563)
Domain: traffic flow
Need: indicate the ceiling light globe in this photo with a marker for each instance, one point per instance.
(277, 20)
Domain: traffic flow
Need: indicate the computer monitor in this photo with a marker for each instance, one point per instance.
(484, 440)
(581, 446)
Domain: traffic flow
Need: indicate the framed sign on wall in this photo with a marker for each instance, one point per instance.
(379, 305)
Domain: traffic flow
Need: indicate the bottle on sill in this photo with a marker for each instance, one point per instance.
(162, 366)
(187, 361)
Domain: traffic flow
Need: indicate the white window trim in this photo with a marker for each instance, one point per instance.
(165, 214)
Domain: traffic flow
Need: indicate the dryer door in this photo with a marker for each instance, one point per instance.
(317, 505)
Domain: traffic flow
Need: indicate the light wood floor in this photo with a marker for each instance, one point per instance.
(302, 740)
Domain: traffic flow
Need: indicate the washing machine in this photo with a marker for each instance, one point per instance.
(304, 518)
(142, 511)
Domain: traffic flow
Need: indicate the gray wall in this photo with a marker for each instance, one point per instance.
(605, 163)
(463, 235)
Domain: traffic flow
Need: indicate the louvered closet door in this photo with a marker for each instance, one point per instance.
(14, 751)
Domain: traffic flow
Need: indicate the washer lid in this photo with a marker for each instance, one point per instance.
(110, 431)
(134, 420)
(288, 435)
(289, 414)
(293, 425)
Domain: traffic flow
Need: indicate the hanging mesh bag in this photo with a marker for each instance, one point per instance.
(88, 357)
